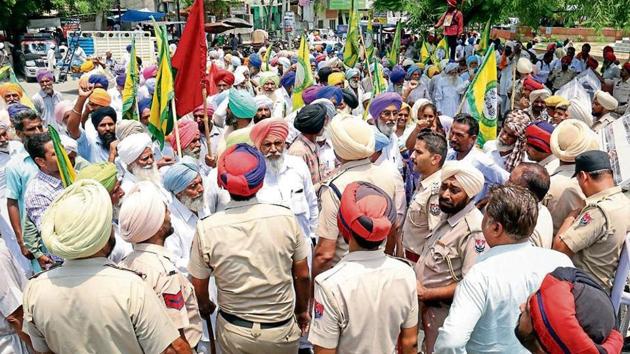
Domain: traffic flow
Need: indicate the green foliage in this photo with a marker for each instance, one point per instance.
(14, 14)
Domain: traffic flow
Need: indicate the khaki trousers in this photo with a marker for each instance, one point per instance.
(242, 340)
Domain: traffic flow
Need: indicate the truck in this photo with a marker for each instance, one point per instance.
(31, 54)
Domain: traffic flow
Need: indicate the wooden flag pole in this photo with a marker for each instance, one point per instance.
(205, 120)
(176, 129)
(513, 83)
(367, 59)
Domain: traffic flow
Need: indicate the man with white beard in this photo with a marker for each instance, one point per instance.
(448, 91)
(384, 110)
(509, 148)
(136, 152)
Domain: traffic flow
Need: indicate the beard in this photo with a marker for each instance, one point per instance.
(449, 208)
(274, 163)
(386, 128)
(149, 173)
(107, 139)
(192, 153)
(194, 204)
(502, 147)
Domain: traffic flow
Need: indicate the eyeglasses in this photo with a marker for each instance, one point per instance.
(389, 113)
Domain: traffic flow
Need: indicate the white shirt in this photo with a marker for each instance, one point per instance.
(184, 223)
(391, 153)
(493, 174)
(543, 232)
(486, 304)
(216, 198)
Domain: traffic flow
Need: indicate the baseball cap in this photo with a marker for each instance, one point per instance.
(592, 160)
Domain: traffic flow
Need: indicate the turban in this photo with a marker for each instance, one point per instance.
(331, 92)
(310, 119)
(69, 144)
(88, 65)
(310, 93)
(227, 57)
(255, 60)
(285, 62)
(382, 101)
(130, 148)
(150, 84)
(225, 76)
(242, 104)
(397, 75)
(17, 108)
(263, 101)
(272, 128)
(451, 67)
(570, 138)
(606, 100)
(539, 134)
(209, 110)
(104, 173)
(407, 62)
(78, 223)
(556, 101)
(61, 109)
(323, 74)
(350, 73)
(412, 69)
(610, 57)
(44, 74)
(532, 85)
(180, 175)
(144, 103)
(551, 47)
(352, 138)
(365, 211)
(320, 58)
(8, 87)
(288, 79)
(142, 213)
(239, 78)
(451, 2)
(239, 136)
(517, 120)
(566, 60)
(571, 313)
(126, 127)
(470, 178)
(100, 114)
(331, 111)
(100, 97)
(350, 98)
(380, 141)
(267, 76)
(626, 66)
(336, 78)
(542, 94)
(417, 106)
(99, 80)
(188, 131)
(581, 111)
(524, 66)
(433, 70)
(235, 61)
(472, 59)
(241, 170)
(120, 80)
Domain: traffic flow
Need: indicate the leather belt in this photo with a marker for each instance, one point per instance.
(237, 321)
(412, 256)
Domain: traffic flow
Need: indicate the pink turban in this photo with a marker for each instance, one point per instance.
(188, 131)
(271, 127)
(149, 72)
(209, 110)
(142, 213)
(61, 109)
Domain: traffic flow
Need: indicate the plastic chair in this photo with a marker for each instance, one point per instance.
(618, 295)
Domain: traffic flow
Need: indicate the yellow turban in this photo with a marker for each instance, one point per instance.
(104, 173)
(88, 65)
(556, 101)
(433, 70)
(268, 76)
(336, 78)
(8, 87)
(100, 97)
(470, 178)
(78, 223)
(571, 138)
(352, 138)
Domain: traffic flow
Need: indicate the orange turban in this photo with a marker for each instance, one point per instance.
(271, 127)
(100, 97)
(8, 87)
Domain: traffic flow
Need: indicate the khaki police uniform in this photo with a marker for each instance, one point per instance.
(362, 303)
(603, 122)
(92, 306)
(550, 163)
(423, 215)
(156, 263)
(330, 196)
(250, 248)
(598, 234)
(564, 195)
(454, 246)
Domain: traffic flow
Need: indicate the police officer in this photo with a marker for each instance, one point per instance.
(452, 247)
(257, 254)
(353, 142)
(88, 305)
(593, 236)
(146, 223)
(365, 278)
(424, 212)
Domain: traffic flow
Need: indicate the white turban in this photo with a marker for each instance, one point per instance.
(142, 213)
(238, 78)
(285, 62)
(416, 106)
(131, 147)
(470, 178)
(69, 144)
(581, 111)
(524, 66)
(536, 94)
(263, 101)
(606, 100)
(352, 138)
(572, 137)
(78, 223)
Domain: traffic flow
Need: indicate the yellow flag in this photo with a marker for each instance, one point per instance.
(481, 97)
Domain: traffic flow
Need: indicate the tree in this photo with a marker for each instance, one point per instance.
(14, 14)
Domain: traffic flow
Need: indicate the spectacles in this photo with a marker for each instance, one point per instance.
(389, 113)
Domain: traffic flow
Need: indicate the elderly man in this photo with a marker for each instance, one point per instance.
(136, 152)
(310, 122)
(508, 150)
(452, 247)
(46, 99)
(569, 139)
(559, 316)
(537, 106)
(603, 104)
(489, 295)
(353, 143)
(448, 90)
(216, 134)
(264, 105)
(240, 111)
(384, 110)
(538, 136)
(365, 276)
(118, 312)
(190, 143)
(11, 92)
(146, 223)
(594, 236)
(263, 305)
(224, 80)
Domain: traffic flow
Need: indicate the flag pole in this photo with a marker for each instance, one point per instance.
(176, 129)
(206, 125)
(513, 83)
(367, 59)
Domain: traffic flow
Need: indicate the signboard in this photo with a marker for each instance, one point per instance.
(70, 25)
(615, 140)
(345, 4)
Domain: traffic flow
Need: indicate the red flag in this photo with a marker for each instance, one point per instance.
(211, 86)
(190, 62)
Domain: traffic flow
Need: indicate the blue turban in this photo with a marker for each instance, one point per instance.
(330, 92)
(255, 60)
(17, 108)
(129, 48)
(310, 93)
(287, 80)
(294, 59)
(98, 79)
(242, 104)
(412, 69)
(150, 84)
(471, 40)
(180, 175)
(382, 101)
(397, 75)
(472, 59)
(381, 141)
(350, 73)
(120, 79)
(144, 103)
(329, 48)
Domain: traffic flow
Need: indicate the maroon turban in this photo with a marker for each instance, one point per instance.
(366, 211)
(241, 170)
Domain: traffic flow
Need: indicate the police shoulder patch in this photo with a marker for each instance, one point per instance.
(174, 301)
(480, 245)
(434, 209)
(318, 310)
(585, 219)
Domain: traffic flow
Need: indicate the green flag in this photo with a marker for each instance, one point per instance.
(351, 47)
(162, 118)
(130, 90)
(303, 74)
(484, 43)
(66, 170)
(378, 81)
(481, 97)
(394, 52)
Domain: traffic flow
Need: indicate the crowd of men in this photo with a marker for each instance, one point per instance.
(358, 223)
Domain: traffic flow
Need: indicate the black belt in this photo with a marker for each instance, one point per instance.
(237, 321)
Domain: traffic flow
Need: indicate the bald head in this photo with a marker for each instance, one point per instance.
(532, 176)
